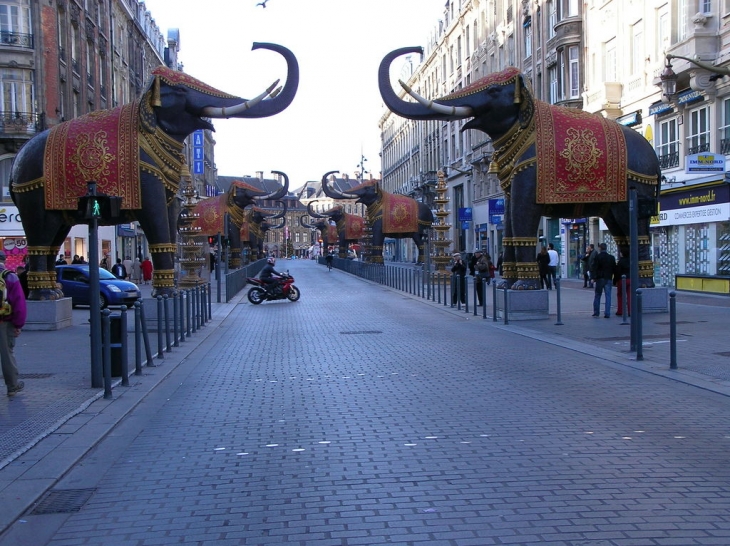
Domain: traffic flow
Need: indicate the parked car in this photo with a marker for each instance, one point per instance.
(74, 281)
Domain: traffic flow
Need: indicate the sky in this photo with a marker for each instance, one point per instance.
(333, 120)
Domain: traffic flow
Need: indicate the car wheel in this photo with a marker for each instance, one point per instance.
(293, 294)
(256, 295)
(102, 302)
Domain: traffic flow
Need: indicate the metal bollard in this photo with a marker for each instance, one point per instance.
(484, 298)
(494, 302)
(160, 315)
(672, 330)
(107, 353)
(182, 315)
(506, 306)
(137, 338)
(166, 307)
(145, 335)
(625, 312)
(557, 295)
(188, 310)
(124, 350)
(639, 333)
(476, 295)
(210, 303)
(203, 305)
(438, 288)
(195, 308)
(175, 340)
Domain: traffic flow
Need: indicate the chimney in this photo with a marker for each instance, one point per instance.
(260, 175)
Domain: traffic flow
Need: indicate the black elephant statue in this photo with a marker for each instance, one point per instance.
(135, 152)
(388, 215)
(213, 211)
(327, 231)
(550, 161)
(256, 223)
(350, 227)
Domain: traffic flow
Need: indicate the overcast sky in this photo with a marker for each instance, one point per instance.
(339, 45)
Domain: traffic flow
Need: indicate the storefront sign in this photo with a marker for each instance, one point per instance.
(659, 108)
(704, 163)
(629, 120)
(10, 221)
(465, 214)
(496, 211)
(688, 96)
(694, 207)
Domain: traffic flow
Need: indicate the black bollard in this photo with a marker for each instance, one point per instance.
(137, 338)
(160, 326)
(124, 350)
(559, 322)
(672, 330)
(210, 303)
(182, 315)
(188, 310)
(195, 308)
(166, 307)
(484, 298)
(145, 335)
(107, 353)
(625, 312)
(506, 306)
(494, 302)
(639, 332)
(175, 311)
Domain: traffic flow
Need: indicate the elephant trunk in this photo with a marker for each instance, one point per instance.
(422, 110)
(312, 213)
(305, 224)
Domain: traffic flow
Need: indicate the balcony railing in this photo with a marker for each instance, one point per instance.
(699, 149)
(725, 146)
(16, 39)
(669, 161)
(18, 123)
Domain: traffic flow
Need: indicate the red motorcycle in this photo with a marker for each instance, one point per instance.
(284, 289)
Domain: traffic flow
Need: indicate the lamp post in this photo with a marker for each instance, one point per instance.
(669, 78)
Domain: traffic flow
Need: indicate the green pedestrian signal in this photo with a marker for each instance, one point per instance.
(95, 208)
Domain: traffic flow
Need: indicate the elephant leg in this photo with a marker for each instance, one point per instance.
(524, 218)
(159, 229)
(620, 232)
(509, 258)
(44, 240)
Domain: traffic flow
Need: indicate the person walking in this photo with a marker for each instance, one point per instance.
(554, 262)
(61, 260)
(481, 272)
(118, 270)
(602, 273)
(127, 263)
(586, 267)
(12, 320)
(146, 270)
(458, 280)
(623, 267)
(136, 271)
(543, 269)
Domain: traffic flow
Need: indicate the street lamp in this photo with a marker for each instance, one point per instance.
(669, 78)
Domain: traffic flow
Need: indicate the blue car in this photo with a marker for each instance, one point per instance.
(74, 280)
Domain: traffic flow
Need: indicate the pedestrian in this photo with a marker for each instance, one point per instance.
(22, 272)
(104, 263)
(12, 320)
(61, 260)
(591, 261)
(623, 267)
(146, 270)
(128, 266)
(458, 279)
(586, 267)
(481, 267)
(500, 261)
(603, 270)
(136, 271)
(76, 259)
(554, 262)
(543, 268)
(118, 270)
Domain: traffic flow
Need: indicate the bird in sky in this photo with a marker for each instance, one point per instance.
(262, 4)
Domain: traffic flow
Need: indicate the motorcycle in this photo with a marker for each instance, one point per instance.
(284, 289)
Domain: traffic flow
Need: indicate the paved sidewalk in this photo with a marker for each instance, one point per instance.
(58, 418)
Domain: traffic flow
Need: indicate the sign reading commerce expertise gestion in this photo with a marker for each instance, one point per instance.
(699, 206)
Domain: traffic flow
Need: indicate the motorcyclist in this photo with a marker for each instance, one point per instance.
(270, 276)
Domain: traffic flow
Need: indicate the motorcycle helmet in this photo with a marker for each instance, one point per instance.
(271, 260)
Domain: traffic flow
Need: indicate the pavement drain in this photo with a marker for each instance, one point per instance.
(62, 501)
(362, 332)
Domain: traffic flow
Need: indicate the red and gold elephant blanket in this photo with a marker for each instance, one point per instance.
(101, 146)
(354, 227)
(581, 157)
(400, 214)
(212, 213)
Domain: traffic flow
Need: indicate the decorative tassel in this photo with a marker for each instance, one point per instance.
(156, 100)
(493, 168)
(518, 94)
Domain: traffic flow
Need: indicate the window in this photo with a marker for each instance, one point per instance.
(552, 19)
(725, 128)
(14, 19)
(553, 76)
(663, 34)
(698, 131)
(609, 73)
(528, 38)
(458, 51)
(573, 73)
(16, 88)
(5, 164)
(637, 48)
(706, 6)
(681, 20)
(667, 144)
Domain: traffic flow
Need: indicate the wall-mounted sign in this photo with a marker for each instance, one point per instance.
(704, 163)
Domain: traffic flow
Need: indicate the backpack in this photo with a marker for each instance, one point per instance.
(5, 308)
(119, 271)
(482, 265)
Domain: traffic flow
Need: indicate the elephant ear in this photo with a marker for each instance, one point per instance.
(526, 99)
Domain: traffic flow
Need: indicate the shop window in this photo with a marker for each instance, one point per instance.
(698, 131)
(667, 144)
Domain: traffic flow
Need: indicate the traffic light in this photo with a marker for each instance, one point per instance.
(211, 239)
(100, 206)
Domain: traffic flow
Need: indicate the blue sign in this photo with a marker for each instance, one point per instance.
(465, 214)
(198, 167)
(198, 153)
(496, 211)
(198, 138)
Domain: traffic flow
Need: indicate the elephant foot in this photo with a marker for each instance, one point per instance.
(504, 284)
(44, 294)
(526, 284)
(166, 291)
(646, 283)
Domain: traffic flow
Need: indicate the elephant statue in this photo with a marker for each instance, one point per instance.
(388, 214)
(256, 223)
(550, 161)
(212, 212)
(134, 151)
(350, 227)
(327, 231)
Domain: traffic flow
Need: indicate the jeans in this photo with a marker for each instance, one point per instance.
(602, 285)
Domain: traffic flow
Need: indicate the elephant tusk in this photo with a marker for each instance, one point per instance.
(227, 112)
(457, 111)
